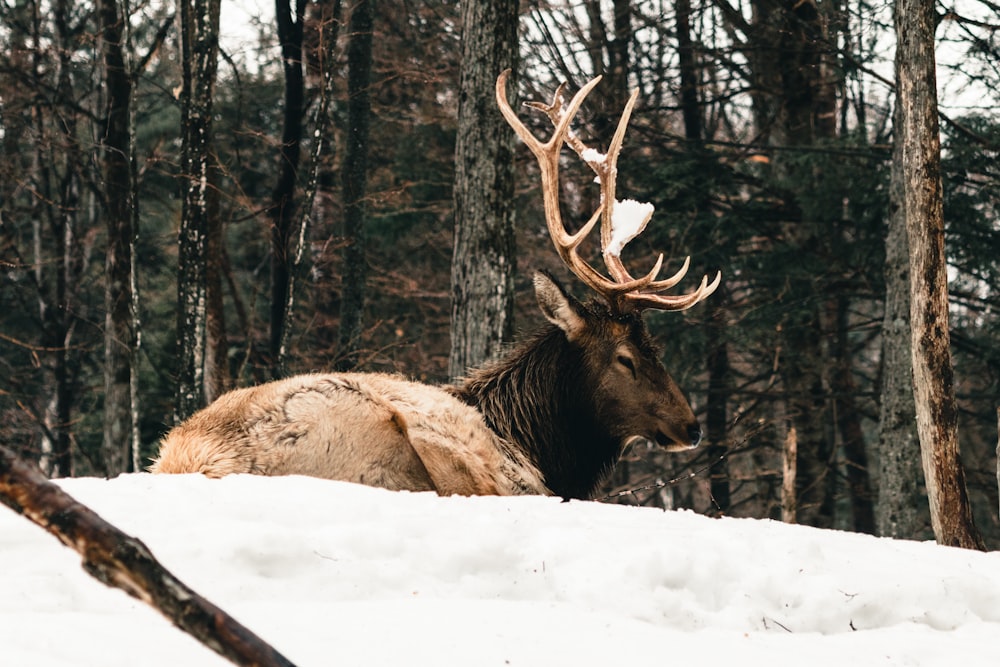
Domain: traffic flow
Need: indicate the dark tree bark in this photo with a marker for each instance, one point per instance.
(608, 47)
(716, 413)
(120, 204)
(483, 260)
(62, 187)
(354, 182)
(688, 64)
(216, 376)
(323, 45)
(933, 376)
(199, 21)
(718, 350)
(900, 510)
(282, 212)
(852, 437)
(121, 561)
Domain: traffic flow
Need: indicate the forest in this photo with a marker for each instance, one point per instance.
(198, 196)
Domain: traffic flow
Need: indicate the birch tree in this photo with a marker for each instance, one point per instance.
(199, 23)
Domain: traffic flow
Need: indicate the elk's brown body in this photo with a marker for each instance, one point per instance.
(370, 428)
(552, 417)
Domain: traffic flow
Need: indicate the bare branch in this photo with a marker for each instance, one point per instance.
(122, 561)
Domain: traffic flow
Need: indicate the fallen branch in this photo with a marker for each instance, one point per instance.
(124, 562)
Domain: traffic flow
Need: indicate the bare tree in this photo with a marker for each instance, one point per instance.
(199, 21)
(717, 357)
(483, 261)
(324, 26)
(354, 181)
(120, 209)
(898, 507)
(282, 212)
(58, 259)
(933, 377)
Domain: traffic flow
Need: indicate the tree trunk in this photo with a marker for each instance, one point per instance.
(483, 260)
(120, 203)
(354, 182)
(900, 510)
(789, 465)
(608, 47)
(933, 378)
(718, 349)
(690, 106)
(325, 23)
(282, 212)
(57, 311)
(216, 376)
(200, 46)
(619, 59)
(849, 424)
(716, 419)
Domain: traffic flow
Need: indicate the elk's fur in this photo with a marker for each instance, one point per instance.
(370, 428)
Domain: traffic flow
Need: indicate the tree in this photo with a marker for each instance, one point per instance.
(483, 260)
(282, 211)
(322, 47)
(717, 356)
(933, 377)
(61, 179)
(199, 21)
(354, 181)
(121, 211)
(897, 510)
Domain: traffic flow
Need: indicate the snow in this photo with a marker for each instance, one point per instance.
(628, 218)
(593, 156)
(337, 574)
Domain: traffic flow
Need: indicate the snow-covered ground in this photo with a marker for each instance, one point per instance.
(338, 574)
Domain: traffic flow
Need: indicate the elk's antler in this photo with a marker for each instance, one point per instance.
(621, 221)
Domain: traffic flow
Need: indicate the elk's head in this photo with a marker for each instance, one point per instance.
(633, 391)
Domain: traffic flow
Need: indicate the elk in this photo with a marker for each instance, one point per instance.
(552, 417)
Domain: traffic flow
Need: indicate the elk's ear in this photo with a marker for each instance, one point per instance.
(559, 307)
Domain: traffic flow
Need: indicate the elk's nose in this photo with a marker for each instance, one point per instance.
(694, 433)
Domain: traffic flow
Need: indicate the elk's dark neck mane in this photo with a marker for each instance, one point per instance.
(538, 399)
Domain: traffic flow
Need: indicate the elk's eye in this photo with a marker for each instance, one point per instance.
(627, 363)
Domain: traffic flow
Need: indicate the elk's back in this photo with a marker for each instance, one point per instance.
(369, 428)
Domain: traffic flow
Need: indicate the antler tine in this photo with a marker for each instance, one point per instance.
(640, 292)
(552, 147)
(643, 300)
(621, 290)
(609, 188)
(547, 155)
